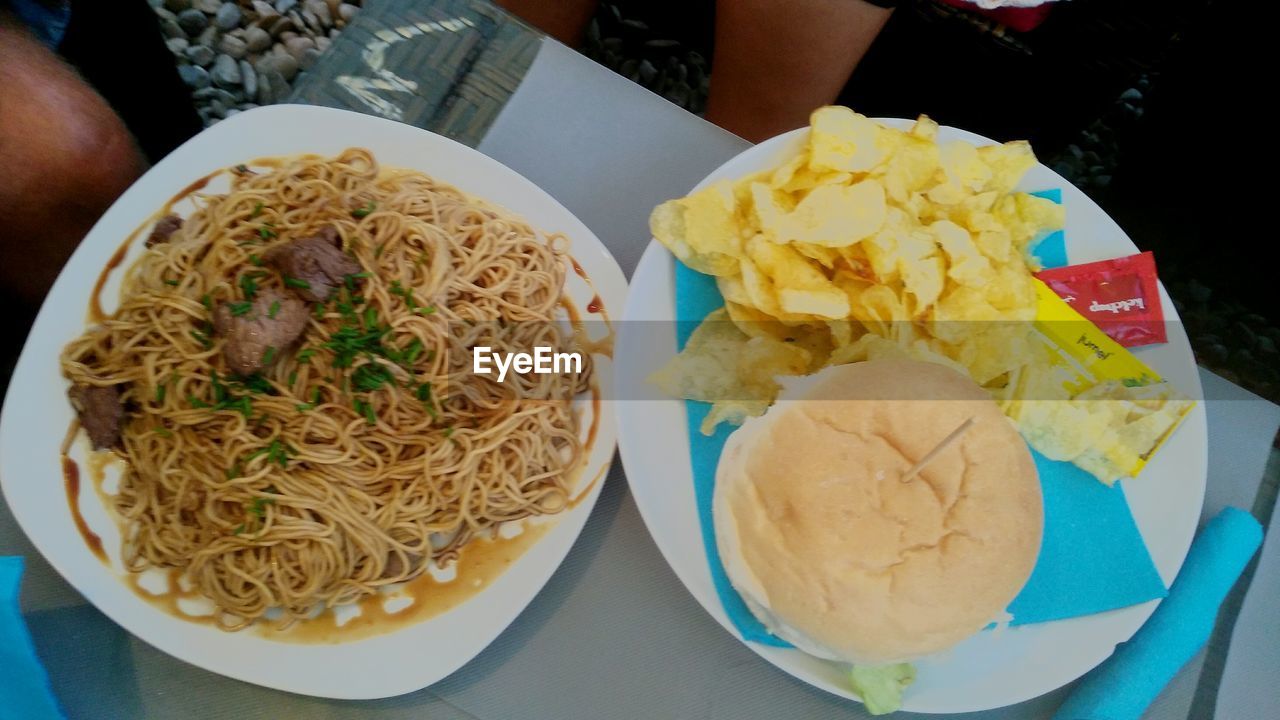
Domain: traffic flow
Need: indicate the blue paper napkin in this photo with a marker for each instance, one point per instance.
(1051, 250)
(1122, 687)
(24, 685)
(1092, 557)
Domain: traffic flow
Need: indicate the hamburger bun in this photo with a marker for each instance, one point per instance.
(833, 551)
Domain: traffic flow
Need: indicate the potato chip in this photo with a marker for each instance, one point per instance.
(965, 263)
(827, 257)
(822, 302)
(733, 289)
(842, 140)
(734, 412)
(801, 287)
(995, 243)
(806, 179)
(669, 225)
(911, 164)
(875, 347)
(881, 309)
(720, 362)
(960, 311)
(843, 332)
(925, 128)
(768, 208)
(781, 176)
(1012, 294)
(882, 249)
(963, 165)
(764, 358)
(835, 215)
(760, 290)
(711, 222)
(755, 323)
(923, 279)
(1026, 217)
(707, 368)
(1008, 163)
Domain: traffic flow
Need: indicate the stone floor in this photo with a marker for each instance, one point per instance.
(238, 55)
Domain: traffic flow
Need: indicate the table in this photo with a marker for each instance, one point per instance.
(613, 634)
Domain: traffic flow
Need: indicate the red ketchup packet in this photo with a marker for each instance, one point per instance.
(1120, 296)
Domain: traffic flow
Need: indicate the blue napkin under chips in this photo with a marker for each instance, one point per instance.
(1092, 557)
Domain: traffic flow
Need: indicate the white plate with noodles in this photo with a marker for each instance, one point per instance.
(991, 669)
(306, 486)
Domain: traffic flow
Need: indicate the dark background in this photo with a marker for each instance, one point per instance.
(1151, 107)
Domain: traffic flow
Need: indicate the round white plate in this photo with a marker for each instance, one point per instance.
(36, 415)
(992, 669)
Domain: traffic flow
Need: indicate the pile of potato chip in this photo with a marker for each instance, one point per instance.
(874, 243)
(871, 242)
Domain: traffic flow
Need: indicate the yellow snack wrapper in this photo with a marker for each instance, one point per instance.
(1091, 401)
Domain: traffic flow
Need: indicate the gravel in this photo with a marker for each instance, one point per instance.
(238, 55)
(192, 21)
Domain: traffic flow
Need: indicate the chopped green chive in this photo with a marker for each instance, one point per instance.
(274, 309)
(424, 395)
(160, 391)
(207, 301)
(171, 283)
(315, 400)
(164, 432)
(425, 310)
(283, 454)
(265, 231)
(248, 285)
(240, 308)
(448, 432)
(219, 390)
(257, 210)
(306, 354)
(196, 402)
(293, 378)
(412, 352)
(238, 529)
(255, 259)
(268, 355)
(202, 338)
(297, 283)
(259, 506)
(368, 378)
(245, 406)
(364, 211)
(255, 383)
